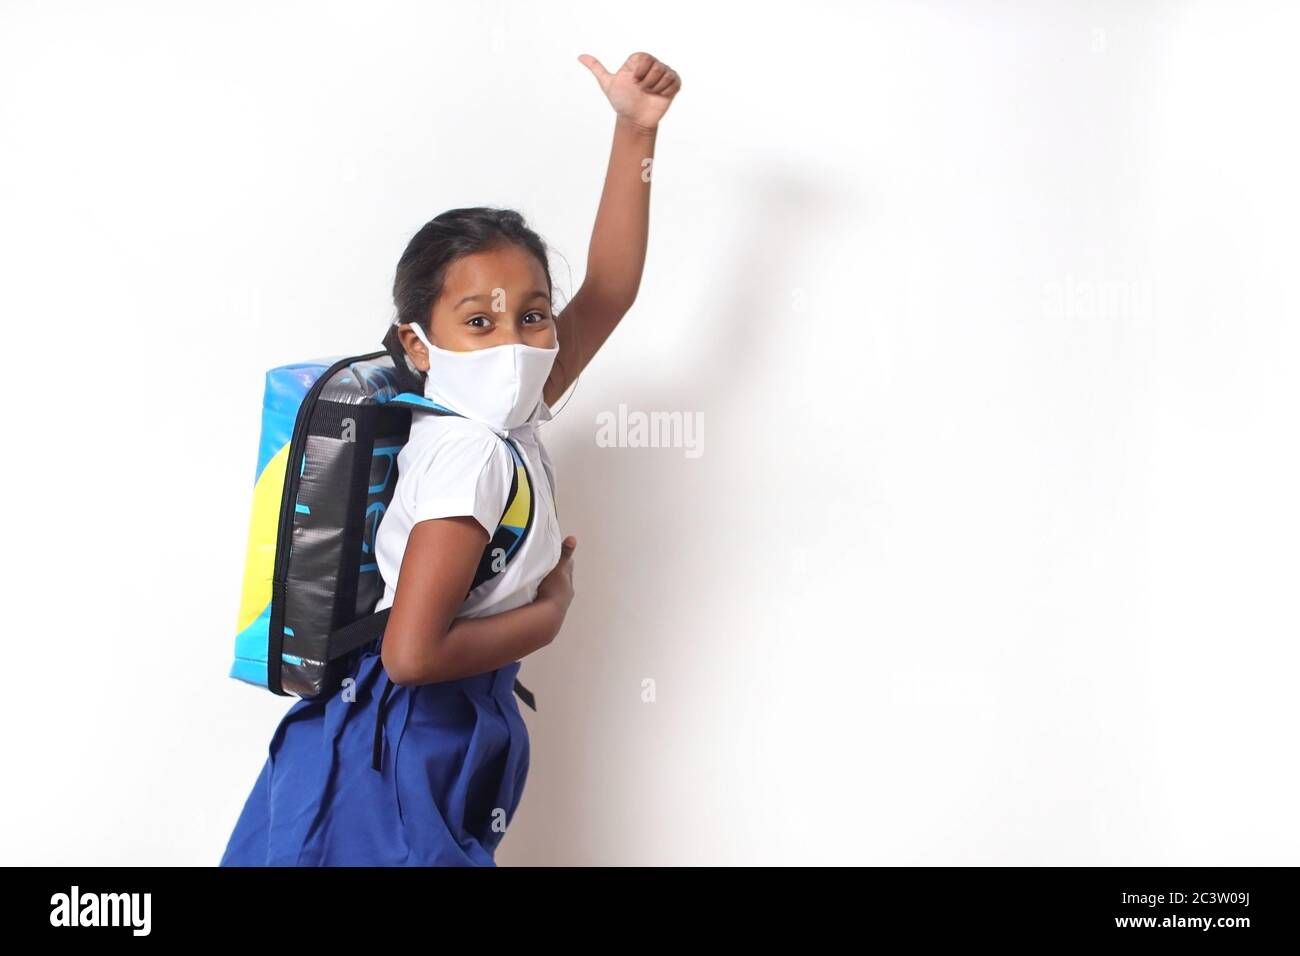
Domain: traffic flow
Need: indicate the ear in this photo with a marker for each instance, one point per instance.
(414, 347)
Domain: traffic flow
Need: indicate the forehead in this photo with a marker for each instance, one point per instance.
(509, 268)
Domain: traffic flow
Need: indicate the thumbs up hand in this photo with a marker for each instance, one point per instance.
(641, 90)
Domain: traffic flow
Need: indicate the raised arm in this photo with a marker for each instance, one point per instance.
(640, 92)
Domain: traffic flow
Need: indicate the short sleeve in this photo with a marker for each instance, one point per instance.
(467, 472)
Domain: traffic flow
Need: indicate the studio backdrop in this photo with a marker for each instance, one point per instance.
(974, 537)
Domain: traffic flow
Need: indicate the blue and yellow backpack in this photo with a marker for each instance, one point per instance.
(326, 469)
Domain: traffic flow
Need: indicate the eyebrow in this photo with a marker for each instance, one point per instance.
(536, 293)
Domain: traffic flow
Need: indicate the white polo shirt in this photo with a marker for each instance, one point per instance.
(458, 466)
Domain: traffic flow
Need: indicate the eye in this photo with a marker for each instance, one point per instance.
(541, 317)
(475, 317)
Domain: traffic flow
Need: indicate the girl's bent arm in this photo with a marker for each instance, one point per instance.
(424, 642)
(474, 645)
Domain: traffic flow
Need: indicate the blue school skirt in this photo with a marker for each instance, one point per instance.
(383, 775)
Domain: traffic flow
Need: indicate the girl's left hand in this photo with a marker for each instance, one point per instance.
(642, 89)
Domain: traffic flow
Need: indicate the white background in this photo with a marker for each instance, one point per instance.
(990, 313)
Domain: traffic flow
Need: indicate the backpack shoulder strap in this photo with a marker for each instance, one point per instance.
(514, 524)
(417, 402)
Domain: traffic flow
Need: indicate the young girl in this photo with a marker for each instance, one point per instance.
(421, 759)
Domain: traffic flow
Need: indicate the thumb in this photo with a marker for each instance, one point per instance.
(567, 546)
(597, 69)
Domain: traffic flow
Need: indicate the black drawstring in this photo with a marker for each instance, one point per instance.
(377, 762)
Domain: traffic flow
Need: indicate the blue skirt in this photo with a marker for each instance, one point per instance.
(378, 774)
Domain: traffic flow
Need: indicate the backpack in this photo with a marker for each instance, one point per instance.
(326, 470)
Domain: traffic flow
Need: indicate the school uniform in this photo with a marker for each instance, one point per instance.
(378, 774)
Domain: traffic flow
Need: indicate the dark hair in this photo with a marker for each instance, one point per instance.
(422, 269)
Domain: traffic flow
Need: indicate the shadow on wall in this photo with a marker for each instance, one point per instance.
(650, 520)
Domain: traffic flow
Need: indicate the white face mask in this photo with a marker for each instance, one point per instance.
(499, 386)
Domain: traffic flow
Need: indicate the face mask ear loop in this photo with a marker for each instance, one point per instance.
(415, 327)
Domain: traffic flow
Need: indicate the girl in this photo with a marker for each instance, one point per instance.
(420, 759)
